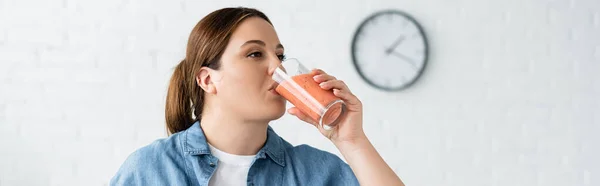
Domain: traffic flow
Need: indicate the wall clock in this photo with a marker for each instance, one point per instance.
(389, 50)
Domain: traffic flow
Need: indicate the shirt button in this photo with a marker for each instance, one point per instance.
(212, 164)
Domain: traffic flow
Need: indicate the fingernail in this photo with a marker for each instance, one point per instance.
(316, 77)
(322, 84)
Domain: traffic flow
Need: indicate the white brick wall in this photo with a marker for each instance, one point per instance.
(510, 96)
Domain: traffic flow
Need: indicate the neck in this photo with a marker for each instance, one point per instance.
(232, 135)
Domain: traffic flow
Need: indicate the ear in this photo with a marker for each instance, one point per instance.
(204, 80)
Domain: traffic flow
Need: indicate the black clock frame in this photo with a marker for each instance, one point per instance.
(421, 31)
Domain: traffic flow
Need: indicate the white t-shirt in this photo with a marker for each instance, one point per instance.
(231, 170)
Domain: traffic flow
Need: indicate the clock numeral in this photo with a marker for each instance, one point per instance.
(416, 35)
(414, 67)
(390, 17)
(360, 33)
(404, 80)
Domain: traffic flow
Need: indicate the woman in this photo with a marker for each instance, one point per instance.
(219, 103)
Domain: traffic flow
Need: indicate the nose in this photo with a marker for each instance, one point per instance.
(274, 63)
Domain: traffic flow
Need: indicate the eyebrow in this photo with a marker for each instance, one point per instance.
(262, 43)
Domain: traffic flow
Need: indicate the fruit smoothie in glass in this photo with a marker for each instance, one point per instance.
(296, 84)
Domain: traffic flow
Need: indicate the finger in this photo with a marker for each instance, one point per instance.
(317, 71)
(334, 84)
(348, 97)
(323, 77)
(300, 115)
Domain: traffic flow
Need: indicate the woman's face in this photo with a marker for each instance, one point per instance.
(243, 84)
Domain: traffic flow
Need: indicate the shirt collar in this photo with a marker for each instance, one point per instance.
(194, 143)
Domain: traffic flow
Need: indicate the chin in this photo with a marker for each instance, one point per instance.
(275, 111)
(276, 114)
(268, 116)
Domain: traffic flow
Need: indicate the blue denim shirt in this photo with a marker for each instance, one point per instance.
(184, 158)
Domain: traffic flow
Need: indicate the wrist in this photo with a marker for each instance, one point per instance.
(352, 144)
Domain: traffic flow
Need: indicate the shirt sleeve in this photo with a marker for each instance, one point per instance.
(345, 176)
(127, 174)
(318, 167)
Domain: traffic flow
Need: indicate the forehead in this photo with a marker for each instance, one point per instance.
(254, 28)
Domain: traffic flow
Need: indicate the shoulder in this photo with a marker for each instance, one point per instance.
(316, 163)
(306, 152)
(159, 150)
(311, 156)
(151, 162)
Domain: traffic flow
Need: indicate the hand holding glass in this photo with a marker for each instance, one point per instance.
(296, 84)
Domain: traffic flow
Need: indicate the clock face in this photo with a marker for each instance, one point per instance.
(390, 50)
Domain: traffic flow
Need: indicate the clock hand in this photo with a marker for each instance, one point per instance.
(394, 45)
(407, 59)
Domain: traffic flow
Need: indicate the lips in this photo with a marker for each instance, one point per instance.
(273, 86)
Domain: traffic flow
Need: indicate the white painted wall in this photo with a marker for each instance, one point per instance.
(510, 96)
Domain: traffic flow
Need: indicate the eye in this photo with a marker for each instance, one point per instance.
(255, 54)
(281, 57)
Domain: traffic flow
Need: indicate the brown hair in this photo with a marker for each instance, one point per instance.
(206, 44)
